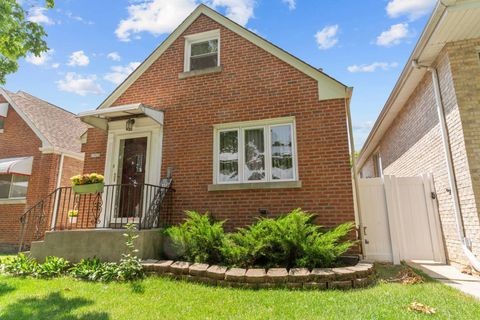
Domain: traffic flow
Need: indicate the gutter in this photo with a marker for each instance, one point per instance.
(358, 216)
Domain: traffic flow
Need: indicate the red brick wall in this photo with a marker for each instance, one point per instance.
(71, 167)
(19, 140)
(253, 85)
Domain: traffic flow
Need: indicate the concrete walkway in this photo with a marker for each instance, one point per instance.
(450, 276)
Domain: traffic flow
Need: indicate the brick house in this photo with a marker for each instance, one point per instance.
(242, 127)
(39, 151)
(410, 138)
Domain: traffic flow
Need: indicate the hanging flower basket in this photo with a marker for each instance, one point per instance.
(88, 183)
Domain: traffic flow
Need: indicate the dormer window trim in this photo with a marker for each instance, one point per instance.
(197, 38)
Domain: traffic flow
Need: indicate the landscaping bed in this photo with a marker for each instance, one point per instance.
(357, 276)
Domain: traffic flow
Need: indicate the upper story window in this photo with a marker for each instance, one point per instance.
(3, 115)
(202, 50)
(13, 186)
(258, 151)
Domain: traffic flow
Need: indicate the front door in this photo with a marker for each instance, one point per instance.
(132, 157)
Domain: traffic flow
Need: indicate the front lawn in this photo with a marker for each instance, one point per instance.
(157, 298)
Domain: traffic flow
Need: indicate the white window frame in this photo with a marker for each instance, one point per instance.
(196, 38)
(10, 190)
(240, 127)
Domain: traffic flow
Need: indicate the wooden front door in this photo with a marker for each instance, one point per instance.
(131, 174)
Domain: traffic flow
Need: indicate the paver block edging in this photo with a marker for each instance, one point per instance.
(358, 276)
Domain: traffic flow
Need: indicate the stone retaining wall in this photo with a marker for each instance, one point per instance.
(358, 276)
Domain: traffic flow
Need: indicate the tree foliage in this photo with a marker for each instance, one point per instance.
(18, 36)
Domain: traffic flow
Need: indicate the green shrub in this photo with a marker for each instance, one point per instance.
(289, 241)
(87, 269)
(198, 239)
(52, 267)
(19, 265)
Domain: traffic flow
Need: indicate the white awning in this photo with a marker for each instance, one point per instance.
(99, 118)
(22, 166)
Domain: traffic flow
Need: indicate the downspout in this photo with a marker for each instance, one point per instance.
(58, 184)
(466, 244)
(348, 96)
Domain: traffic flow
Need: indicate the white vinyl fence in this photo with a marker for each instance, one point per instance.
(400, 219)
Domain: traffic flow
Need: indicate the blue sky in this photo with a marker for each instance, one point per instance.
(96, 44)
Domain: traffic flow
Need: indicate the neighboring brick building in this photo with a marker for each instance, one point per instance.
(39, 144)
(244, 127)
(407, 138)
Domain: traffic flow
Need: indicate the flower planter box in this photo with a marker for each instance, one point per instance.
(72, 220)
(89, 188)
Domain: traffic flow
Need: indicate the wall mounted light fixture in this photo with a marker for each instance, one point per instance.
(129, 124)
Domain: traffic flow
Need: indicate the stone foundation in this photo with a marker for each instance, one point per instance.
(357, 276)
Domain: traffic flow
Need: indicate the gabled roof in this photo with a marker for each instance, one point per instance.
(54, 126)
(451, 20)
(328, 87)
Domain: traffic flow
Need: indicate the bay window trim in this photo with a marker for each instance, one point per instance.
(240, 127)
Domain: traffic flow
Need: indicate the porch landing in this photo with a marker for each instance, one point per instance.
(105, 244)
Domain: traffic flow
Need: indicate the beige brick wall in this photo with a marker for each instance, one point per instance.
(413, 146)
(464, 59)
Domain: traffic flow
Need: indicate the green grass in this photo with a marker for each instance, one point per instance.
(157, 298)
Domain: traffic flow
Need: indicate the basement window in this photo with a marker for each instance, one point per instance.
(202, 51)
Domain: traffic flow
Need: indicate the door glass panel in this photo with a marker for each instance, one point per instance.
(131, 176)
(254, 169)
(228, 156)
(282, 153)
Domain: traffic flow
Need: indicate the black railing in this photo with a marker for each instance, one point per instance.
(145, 205)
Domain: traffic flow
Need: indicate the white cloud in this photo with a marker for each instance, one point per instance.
(78, 58)
(78, 84)
(327, 37)
(364, 126)
(163, 16)
(291, 4)
(40, 60)
(156, 17)
(115, 56)
(37, 15)
(372, 67)
(414, 9)
(239, 11)
(120, 73)
(55, 65)
(394, 35)
(71, 16)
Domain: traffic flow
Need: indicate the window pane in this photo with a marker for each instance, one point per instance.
(5, 180)
(203, 62)
(254, 154)
(228, 156)
(2, 122)
(282, 153)
(200, 48)
(19, 187)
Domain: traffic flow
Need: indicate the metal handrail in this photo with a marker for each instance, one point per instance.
(117, 205)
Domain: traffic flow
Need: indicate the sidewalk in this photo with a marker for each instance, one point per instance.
(449, 275)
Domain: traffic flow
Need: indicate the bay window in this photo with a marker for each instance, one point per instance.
(13, 186)
(253, 152)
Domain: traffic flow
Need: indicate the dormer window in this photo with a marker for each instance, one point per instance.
(202, 51)
(3, 115)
